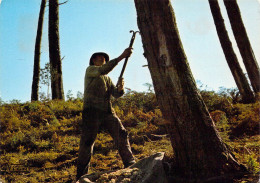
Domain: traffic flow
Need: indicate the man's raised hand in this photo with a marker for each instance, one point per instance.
(127, 53)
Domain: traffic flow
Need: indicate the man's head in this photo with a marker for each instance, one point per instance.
(99, 59)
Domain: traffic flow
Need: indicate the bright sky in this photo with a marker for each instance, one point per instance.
(103, 25)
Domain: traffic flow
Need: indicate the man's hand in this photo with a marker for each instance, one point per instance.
(120, 85)
(127, 53)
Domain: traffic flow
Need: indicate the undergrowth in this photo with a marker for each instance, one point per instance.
(40, 140)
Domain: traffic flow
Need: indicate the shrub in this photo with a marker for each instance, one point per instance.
(221, 123)
(63, 109)
(39, 159)
(246, 119)
(215, 101)
(17, 139)
(38, 113)
(252, 164)
(134, 100)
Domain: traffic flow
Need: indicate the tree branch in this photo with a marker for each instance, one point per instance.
(63, 3)
(59, 3)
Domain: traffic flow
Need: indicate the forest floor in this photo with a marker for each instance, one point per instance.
(40, 140)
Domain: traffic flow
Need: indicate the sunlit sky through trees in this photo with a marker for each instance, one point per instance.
(88, 26)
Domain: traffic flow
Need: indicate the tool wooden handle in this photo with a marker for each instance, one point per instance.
(126, 59)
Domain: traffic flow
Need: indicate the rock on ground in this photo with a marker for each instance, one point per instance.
(147, 170)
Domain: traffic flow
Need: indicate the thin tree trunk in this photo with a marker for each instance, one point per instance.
(54, 51)
(243, 43)
(199, 151)
(37, 55)
(240, 78)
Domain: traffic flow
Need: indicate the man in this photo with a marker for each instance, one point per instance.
(97, 110)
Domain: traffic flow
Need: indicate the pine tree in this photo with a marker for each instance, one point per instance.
(200, 153)
(237, 72)
(243, 43)
(54, 51)
(37, 55)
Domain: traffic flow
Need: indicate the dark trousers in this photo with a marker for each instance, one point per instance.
(92, 119)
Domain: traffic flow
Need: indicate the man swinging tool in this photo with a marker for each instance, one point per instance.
(97, 110)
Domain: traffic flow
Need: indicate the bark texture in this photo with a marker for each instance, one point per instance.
(243, 43)
(54, 51)
(237, 72)
(200, 154)
(37, 55)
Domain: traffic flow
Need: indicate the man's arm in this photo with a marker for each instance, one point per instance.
(95, 71)
(119, 90)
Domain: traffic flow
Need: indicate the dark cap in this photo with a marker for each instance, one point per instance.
(96, 54)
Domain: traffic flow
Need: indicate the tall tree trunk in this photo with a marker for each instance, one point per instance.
(240, 78)
(54, 51)
(37, 55)
(243, 43)
(199, 151)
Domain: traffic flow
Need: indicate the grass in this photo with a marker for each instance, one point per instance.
(43, 138)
